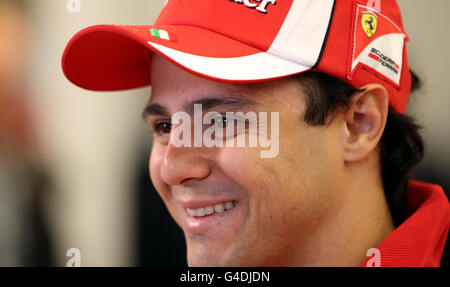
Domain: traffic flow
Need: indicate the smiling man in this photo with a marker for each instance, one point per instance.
(334, 77)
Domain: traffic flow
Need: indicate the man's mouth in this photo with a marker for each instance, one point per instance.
(210, 215)
(212, 209)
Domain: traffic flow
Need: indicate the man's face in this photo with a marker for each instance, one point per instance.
(278, 204)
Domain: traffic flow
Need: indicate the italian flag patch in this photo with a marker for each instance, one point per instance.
(163, 34)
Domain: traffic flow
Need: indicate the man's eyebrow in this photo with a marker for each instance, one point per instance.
(210, 102)
(154, 109)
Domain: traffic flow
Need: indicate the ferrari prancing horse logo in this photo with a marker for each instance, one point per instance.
(369, 22)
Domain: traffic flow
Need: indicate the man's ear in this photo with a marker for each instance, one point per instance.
(364, 122)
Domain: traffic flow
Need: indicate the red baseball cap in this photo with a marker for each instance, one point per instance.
(244, 41)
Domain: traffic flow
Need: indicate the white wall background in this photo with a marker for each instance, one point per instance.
(91, 140)
(426, 25)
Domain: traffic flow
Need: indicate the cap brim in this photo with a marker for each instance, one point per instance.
(110, 57)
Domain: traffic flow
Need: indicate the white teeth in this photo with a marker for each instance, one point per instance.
(229, 205)
(208, 210)
(191, 212)
(200, 212)
(219, 208)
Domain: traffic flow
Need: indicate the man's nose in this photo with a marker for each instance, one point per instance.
(182, 165)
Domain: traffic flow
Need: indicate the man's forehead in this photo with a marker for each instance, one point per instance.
(175, 88)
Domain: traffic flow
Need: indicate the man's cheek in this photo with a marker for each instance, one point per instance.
(155, 163)
(240, 165)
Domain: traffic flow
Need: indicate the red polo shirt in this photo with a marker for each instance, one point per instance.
(420, 239)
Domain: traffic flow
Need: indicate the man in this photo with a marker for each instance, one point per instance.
(333, 189)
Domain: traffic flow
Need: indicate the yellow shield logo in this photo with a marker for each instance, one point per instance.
(369, 23)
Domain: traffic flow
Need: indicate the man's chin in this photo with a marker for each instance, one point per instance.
(204, 261)
(215, 241)
(198, 257)
(211, 256)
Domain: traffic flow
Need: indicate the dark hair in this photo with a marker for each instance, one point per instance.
(401, 146)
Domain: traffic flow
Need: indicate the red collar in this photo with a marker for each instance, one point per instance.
(420, 239)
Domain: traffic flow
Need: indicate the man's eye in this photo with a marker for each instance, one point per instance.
(222, 122)
(162, 128)
(229, 126)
